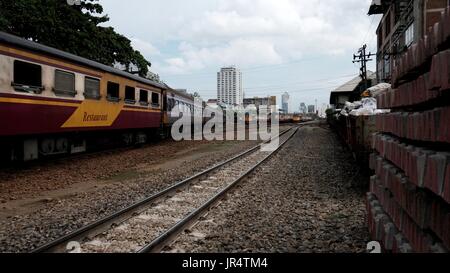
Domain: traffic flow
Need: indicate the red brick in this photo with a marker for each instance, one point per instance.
(379, 165)
(412, 52)
(435, 73)
(397, 215)
(446, 25)
(394, 76)
(421, 50)
(404, 124)
(435, 172)
(436, 132)
(422, 210)
(444, 121)
(390, 231)
(430, 126)
(421, 89)
(430, 93)
(380, 220)
(422, 161)
(372, 161)
(412, 165)
(419, 126)
(408, 166)
(428, 46)
(446, 193)
(440, 31)
(445, 70)
(396, 156)
(440, 221)
(435, 41)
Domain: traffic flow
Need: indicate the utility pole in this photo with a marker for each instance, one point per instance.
(363, 58)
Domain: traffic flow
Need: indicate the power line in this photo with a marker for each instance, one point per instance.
(370, 28)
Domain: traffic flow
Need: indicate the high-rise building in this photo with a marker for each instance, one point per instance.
(285, 100)
(303, 108)
(229, 86)
(311, 109)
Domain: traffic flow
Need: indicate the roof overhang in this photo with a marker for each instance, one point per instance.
(378, 7)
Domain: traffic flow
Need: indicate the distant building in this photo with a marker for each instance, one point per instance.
(303, 108)
(229, 86)
(403, 23)
(351, 90)
(285, 101)
(211, 103)
(311, 109)
(257, 101)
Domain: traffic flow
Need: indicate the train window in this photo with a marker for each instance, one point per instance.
(130, 95)
(155, 99)
(27, 77)
(112, 92)
(171, 104)
(143, 97)
(92, 88)
(64, 83)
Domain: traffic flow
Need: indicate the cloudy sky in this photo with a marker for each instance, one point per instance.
(303, 47)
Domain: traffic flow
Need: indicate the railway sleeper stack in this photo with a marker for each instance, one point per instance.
(409, 200)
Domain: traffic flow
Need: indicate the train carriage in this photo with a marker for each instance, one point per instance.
(176, 102)
(53, 102)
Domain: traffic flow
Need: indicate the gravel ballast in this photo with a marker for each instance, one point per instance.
(308, 198)
(47, 200)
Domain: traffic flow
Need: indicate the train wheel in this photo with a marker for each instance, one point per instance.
(128, 139)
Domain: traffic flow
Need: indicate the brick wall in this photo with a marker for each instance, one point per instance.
(409, 200)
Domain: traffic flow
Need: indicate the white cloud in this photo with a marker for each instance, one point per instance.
(263, 32)
(239, 51)
(146, 48)
(246, 33)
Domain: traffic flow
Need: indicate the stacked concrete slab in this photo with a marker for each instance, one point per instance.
(409, 200)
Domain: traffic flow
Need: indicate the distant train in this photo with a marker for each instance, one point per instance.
(291, 118)
(53, 102)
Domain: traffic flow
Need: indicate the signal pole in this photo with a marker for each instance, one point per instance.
(363, 58)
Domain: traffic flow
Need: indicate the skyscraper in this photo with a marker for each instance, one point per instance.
(285, 100)
(303, 108)
(229, 86)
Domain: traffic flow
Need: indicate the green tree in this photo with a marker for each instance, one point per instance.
(72, 28)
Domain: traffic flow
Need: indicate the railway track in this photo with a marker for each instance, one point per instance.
(151, 224)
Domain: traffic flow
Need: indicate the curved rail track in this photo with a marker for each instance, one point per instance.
(151, 224)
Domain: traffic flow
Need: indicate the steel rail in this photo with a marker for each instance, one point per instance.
(93, 229)
(167, 237)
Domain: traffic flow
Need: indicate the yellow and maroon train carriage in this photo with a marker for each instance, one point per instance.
(53, 102)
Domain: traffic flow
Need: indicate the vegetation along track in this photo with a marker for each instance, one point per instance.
(151, 224)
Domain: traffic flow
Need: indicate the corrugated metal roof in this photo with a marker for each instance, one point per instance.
(352, 84)
(30, 45)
